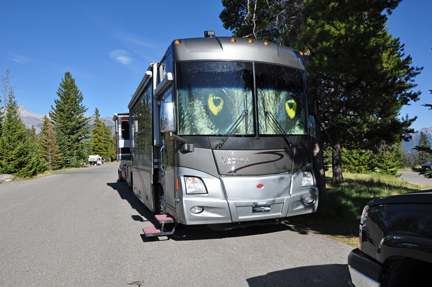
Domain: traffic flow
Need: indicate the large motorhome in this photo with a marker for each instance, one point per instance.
(122, 135)
(221, 135)
(121, 121)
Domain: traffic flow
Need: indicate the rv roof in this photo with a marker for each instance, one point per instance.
(235, 49)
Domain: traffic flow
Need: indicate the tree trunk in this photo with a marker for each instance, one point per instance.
(318, 158)
(337, 163)
(318, 164)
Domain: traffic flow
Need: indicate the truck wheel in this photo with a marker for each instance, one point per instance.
(407, 272)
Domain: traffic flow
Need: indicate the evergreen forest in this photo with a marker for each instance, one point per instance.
(65, 139)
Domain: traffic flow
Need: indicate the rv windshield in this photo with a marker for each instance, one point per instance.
(281, 100)
(214, 95)
(216, 98)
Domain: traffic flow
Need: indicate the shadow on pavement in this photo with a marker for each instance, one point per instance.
(203, 232)
(318, 275)
(126, 194)
(193, 232)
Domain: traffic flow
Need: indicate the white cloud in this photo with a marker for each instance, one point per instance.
(135, 41)
(121, 56)
(20, 59)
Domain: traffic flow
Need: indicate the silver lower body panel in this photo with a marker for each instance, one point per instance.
(237, 199)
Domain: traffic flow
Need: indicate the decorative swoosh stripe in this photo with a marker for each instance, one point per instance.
(279, 154)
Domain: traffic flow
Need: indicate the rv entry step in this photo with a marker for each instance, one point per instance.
(161, 230)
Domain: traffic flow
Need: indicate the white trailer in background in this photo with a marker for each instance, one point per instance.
(95, 160)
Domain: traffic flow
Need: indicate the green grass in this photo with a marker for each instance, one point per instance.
(338, 215)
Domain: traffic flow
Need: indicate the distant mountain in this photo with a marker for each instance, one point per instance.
(107, 120)
(33, 119)
(408, 146)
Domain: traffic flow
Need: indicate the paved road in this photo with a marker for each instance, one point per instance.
(82, 228)
(414, 177)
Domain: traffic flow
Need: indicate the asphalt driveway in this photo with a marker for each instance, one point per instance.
(414, 177)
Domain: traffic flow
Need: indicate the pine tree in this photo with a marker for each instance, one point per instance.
(14, 139)
(358, 160)
(389, 159)
(109, 143)
(358, 76)
(424, 143)
(102, 140)
(18, 151)
(113, 147)
(35, 163)
(50, 150)
(364, 80)
(69, 121)
(61, 141)
(98, 140)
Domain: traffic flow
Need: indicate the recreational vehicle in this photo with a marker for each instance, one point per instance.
(122, 131)
(220, 134)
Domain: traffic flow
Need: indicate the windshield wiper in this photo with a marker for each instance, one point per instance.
(277, 126)
(275, 123)
(232, 129)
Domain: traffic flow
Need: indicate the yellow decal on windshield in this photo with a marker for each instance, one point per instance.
(291, 111)
(215, 104)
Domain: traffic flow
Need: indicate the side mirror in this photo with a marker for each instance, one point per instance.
(167, 117)
(312, 126)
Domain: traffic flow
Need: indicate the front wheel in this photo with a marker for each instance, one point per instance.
(407, 272)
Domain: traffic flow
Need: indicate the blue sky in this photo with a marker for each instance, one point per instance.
(108, 45)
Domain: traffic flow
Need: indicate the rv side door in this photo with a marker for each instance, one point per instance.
(167, 170)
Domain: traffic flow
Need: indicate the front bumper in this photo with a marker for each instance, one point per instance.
(364, 270)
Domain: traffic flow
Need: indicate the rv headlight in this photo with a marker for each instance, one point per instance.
(195, 185)
(308, 179)
(309, 200)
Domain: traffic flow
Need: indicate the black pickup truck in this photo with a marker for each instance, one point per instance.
(395, 244)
